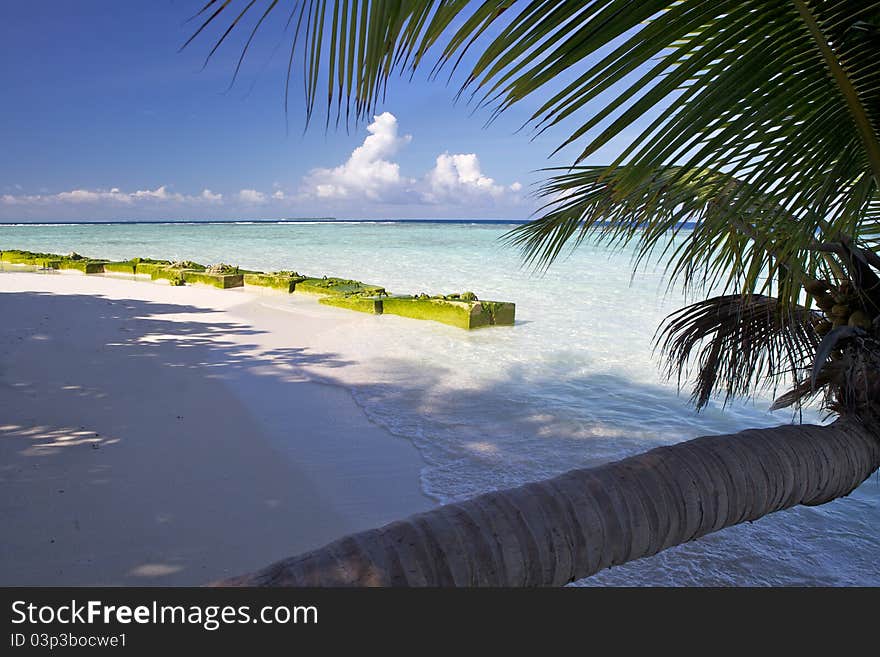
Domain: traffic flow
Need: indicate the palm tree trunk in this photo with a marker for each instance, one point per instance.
(563, 529)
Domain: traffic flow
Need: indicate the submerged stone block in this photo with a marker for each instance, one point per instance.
(464, 314)
(163, 270)
(165, 273)
(501, 313)
(18, 257)
(222, 281)
(52, 261)
(338, 286)
(146, 268)
(85, 265)
(273, 281)
(361, 304)
(128, 267)
(49, 263)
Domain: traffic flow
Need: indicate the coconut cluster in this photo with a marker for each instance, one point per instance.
(842, 306)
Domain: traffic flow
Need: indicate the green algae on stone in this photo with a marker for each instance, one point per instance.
(453, 311)
(125, 267)
(220, 275)
(136, 266)
(277, 281)
(72, 261)
(144, 267)
(175, 272)
(187, 264)
(500, 313)
(43, 260)
(222, 268)
(16, 257)
(463, 310)
(338, 286)
(52, 262)
(218, 280)
(84, 265)
(170, 274)
(354, 302)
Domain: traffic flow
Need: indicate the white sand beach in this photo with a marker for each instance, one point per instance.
(152, 435)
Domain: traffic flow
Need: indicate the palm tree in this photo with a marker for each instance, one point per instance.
(757, 174)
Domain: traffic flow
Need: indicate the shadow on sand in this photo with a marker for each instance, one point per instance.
(49, 367)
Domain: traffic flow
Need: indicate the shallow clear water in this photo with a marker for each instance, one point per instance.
(574, 383)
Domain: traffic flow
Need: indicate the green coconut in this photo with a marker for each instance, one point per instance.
(860, 319)
(816, 287)
(840, 310)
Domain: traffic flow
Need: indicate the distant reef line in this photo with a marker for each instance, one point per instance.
(685, 225)
(232, 222)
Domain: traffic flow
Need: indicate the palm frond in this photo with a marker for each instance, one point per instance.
(738, 343)
(692, 219)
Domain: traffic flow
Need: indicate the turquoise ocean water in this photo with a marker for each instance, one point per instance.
(574, 383)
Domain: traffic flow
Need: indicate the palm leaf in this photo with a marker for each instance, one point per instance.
(692, 219)
(741, 342)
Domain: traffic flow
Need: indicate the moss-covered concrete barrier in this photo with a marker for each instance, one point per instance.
(361, 304)
(279, 281)
(128, 267)
(174, 273)
(167, 275)
(220, 276)
(73, 261)
(83, 265)
(145, 267)
(463, 310)
(338, 287)
(29, 258)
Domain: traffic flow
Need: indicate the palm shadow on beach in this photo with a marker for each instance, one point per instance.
(103, 398)
(78, 444)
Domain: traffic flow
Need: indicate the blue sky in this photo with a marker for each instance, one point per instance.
(103, 118)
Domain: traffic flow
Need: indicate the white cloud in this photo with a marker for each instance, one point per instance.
(81, 196)
(371, 174)
(458, 178)
(112, 196)
(366, 183)
(368, 171)
(73, 196)
(158, 194)
(251, 196)
(87, 196)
